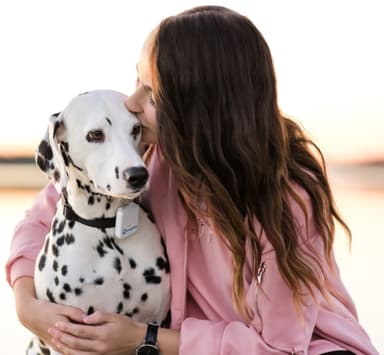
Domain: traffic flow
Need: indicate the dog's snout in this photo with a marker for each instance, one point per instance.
(136, 176)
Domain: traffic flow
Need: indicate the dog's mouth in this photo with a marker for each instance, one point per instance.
(129, 195)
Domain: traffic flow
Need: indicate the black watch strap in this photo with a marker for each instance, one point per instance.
(151, 336)
(149, 346)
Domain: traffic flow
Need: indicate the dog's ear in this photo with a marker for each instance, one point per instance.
(48, 156)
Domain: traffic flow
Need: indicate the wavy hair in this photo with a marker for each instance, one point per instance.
(233, 154)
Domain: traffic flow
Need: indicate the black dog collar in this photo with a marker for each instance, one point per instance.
(102, 222)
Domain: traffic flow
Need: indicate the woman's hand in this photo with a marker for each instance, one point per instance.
(38, 315)
(102, 333)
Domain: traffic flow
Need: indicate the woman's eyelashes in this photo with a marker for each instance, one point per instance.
(151, 100)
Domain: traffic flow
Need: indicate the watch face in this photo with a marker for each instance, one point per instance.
(147, 349)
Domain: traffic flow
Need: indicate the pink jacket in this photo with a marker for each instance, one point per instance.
(201, 280)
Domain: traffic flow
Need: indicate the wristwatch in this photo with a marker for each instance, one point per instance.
(149, 346)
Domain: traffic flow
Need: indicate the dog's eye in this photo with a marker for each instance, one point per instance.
(136, 130)
(95, 136)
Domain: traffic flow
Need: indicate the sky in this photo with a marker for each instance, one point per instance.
(328, 57)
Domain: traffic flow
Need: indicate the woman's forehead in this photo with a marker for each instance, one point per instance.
(143, 67)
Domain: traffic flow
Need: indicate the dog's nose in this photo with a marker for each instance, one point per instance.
(136, 176)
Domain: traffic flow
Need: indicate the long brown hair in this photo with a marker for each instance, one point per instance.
(230, 148)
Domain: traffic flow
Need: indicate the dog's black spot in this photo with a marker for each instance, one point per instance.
(71, 224)
(46, 245)
(167, 269)
(50, 295)
(117, 172)
(62, 296)
(64, 270)
(69, 238)
(65, 146)
(56, 280)
(45, 150)
(108, 242)
(144, 297)
(109, 187)
(117, 247)
(81, 279)
(55, 265)
(78, 291)
(101, 251)
(99, 281)
(87, 188)
(65, 156)
(42, 163)
(42, 262)
(109, 121)
(119, 307)
(126, 293)
(56, 175)
(162, 264)
(151, 277)
(58, 227)
(54, 225)
(133, 312)
(55, 250)
(79, 184)
(107, 206)
(90, 310)
(132, 263)
(45, 351)
(98, 199)
(91, 200)
(117, 265)
(60, 241)
(67, 287)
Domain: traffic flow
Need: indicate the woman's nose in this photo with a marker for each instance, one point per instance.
(132, 103)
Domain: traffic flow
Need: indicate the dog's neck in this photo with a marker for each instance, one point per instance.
(89, 204)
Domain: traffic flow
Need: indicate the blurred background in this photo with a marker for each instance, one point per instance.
(328, 57)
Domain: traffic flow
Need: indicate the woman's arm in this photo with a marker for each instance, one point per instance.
(38, 315)
(29, 235)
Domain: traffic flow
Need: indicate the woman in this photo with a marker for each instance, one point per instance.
(242, 201)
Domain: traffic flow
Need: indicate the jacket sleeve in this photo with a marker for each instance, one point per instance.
(278, 327)
(29, 235)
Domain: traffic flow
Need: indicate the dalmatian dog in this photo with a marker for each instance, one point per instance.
(103, 251)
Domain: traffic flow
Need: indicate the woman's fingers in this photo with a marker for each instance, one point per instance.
(77, 330)
(73, 313)
(66, 342)
(99, 318)
(65, 350)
